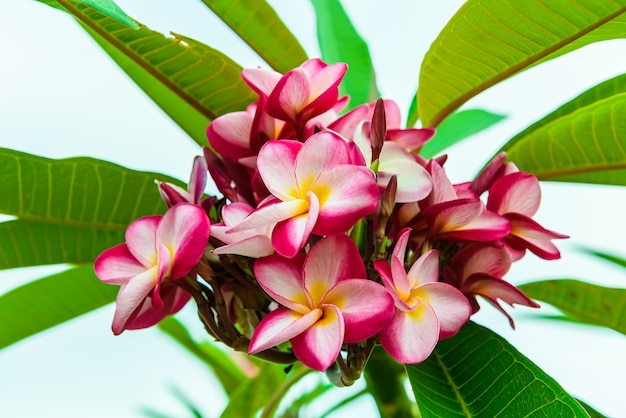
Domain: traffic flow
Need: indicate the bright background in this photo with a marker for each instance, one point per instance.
(60, 96)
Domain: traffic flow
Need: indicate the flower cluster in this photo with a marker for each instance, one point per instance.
(332, 233)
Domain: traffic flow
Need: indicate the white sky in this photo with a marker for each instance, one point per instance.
(60, 96)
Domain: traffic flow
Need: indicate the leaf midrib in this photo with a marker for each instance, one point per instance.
(444, 112)
(76, 11)
(453, 385)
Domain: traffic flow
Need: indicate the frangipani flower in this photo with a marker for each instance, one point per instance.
(250, 243)
(158, 249)
(302, 93)
(516, 196)
(478, 270)
(316, 190)
(325, 301)
(425, 309)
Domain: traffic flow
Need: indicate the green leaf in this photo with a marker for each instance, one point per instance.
(582, 302)
(487, 41)
(253, 394)
(620, 261)
(192, 82)
(49, 301)
(582, 141)
(32, 243)
(457, 127)
(223, 366)
(591, 411)
(258, 25)
(106, 7)
(78, 192)
(477, 373)
(340, 42)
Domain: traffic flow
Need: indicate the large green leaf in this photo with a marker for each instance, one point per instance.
(33, 243)
(477, 373)
(190, 81)
(582, 141)
(80, 192)
(458, 126)
(259, 26)
(582, 302)
(106, 7)
(340, 42)
(224, 367)
(487, 41)
(47, 302)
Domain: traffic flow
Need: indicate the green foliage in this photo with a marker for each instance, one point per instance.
(582, 302)
(106, 7)
(78, 192)
(33, 243)
(459, 126)
(582, 141)
(340, 42)
(50, 301)
(620, 261)
(487, 41)
(479, 374)
(220, 362)
(192, 82)
(258, 25)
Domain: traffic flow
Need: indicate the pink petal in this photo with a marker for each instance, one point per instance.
(279, 326)
(117, 265)
(450, 305)
(365, 305)
(262, 81)
(291, 235)
(443, 190)
(410, 139)
(229, 135)
(515, 193)
(198, 178)
(414, 182)
(131, 297)
(322, 151)
(276, 164)
(347, 124)
(346, 194)
(411, 336)
(319, 345)
(281, 278)
(141, 239)
(184, 229)
(425, 269)
(491, 259)
(291, 95)
(255, 247)
(330, 260)
(400, 281)
(174, 299)
(172, 194)
(488, 175)
(526, 233)
(272, 214)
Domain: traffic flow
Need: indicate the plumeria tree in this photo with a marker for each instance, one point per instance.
(320, 231)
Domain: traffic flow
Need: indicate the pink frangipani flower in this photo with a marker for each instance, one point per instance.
(516, 196)
(302, 93)
(158, 249)
(325, 301)
(425, 309)
(478, 270)
(173, 194)
(316, 190)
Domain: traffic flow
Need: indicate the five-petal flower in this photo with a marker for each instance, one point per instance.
(425, 309)
(325, 301)
(158, 249)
